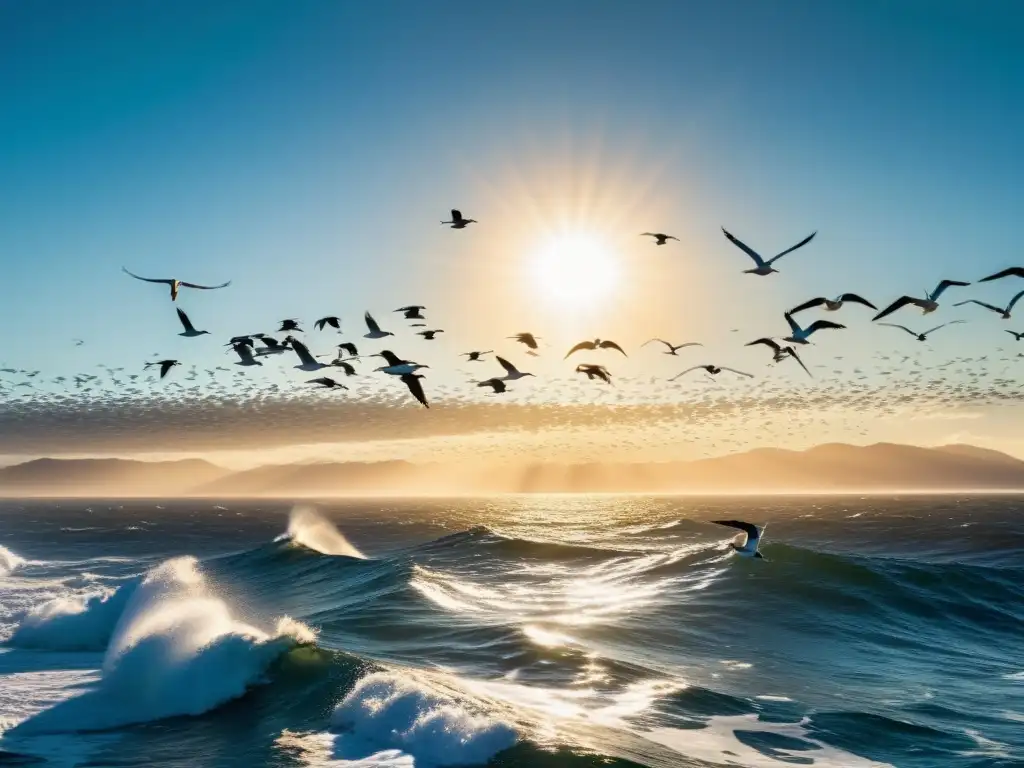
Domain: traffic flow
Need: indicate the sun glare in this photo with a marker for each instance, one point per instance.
(576, 268)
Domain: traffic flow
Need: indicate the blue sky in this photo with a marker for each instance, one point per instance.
(308, 150)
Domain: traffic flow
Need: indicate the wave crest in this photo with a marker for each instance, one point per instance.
(309, 528)
(9, 561)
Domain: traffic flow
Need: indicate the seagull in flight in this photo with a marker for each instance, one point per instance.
(374, 330)
(764, 267)
(752, 540)
(526, 338)
(596, 344)
(349, 347)
(780, 352)
(511, 372)
(244, 355)
(272, 346)
(412, 381)
(334, 322)
(1004, 313)
(175, 284)
(800, 335)
(921, 336)
(1011, 272)
(673, 348)
(165, 366)
(474, 357)
(458, 222)
(714, 370)
(190, 331)
(831, 305)
(287, 326)
(928, 304)
(347, 367)
(396, 366)
(659, 238)
(326, 382)
(594, 371)
(412, 312)
(429, 335)
(497, 385)
(308, 363)
(1016, 336)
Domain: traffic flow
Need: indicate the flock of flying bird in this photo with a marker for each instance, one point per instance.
(253, 348)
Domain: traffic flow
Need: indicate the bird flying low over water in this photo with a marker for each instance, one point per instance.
(412, 312)
(459, 222)
(764, 267)
(190, 331)
(594, 372)
(526, 338)
(595, 344)
(374, 330)
(327, 382)
(175, 284)
(474, 357)
(659, 237)
(801, 335)
(165, 366)
(753, 539)
(412, 381)
(714, 370)
(831, 305)
(334, 322)
(1004, 313)
(511, 372)
(1011, 272)
(928, 304)
(673, 348)
(497, 385)
(921, 336)
(780, 352)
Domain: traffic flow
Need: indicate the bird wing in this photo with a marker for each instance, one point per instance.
(612, 345)
(980, 304)
(1010, 272)
(808, 305)
(752, 531)
(528, 339)
(319, 324)
(767, 342)
(951, 322)
(391, 357)
(411, 308)
(1014, 334)
(371, 323)
(165, 366)
(793, 325)
(456, 214)
(324, 380)
(413, 383)
(1014, 300)
(683, 373)
(903, 327)
(649, 234)
(303, 352)
(185, 321)
(348, 368)
(509, 368)
(793, 354)
(853, 297)
(901, 302)
(166, 280)
(941, 288)
(205, 287)
(661, 340)
(741, 373)
(745, 248)
(578, 347)
(819, 325)
(801, 244)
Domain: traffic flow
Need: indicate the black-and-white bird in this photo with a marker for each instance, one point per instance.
(307, 362)
(334, 322)
(596, 344)
(165, 366)
(594, 372)
(429, 335)
(190, 331)
(921, 336)
(272, 346)
(350, 348)
(673, 348)
(801, 335)
(289, 325)
(831, 305)
(412, 312)
(660, 238)
(474, 357)
(327, 382)
(347, 367)
(245, 340)
(412, 381)
(245, 357)
(764, 266)
(1003, 313)
(374, 330)
(176, 284)
(1011, 272)
(511, 372)
(714, 370)
(928, 304)
(396, 366)
(498, 385)
(780, 352)
(752, 541)
(459, 222)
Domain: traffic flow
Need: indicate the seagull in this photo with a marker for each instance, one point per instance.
(832, 305)
(397, 366)
(327, 383)
(190, 331)
(753, 538)
(349, 347)
(375, 331)
(714, 370)
(458, 222)
(429, 335)
(348, 368)
(595, 344)
(780, 353)
(412, 312)
(1004, 313)
(526, 338)
(1011, 272)
(594, 371)
(78, 342)
(175, 284)
(165, 366)
(673, 348)
(474, 357)
(800, 335)
(412, 381)
(1016, 336)
(245, 355)
(764, 267)
(272, 346)
(289, 325)
(307, 362)
(921, 336)
(659, 238)
(498, 385)
(245, 340)
(928, 304)
(334, 322)
(511, 372)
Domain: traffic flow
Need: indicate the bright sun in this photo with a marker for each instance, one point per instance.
(575, 269)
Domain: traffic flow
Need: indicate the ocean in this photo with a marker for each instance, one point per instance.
(539, 632)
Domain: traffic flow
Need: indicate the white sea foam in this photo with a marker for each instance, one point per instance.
(75, 622)
(9, 561)
(309, 528)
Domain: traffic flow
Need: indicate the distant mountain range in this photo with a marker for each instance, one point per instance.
(825, 468)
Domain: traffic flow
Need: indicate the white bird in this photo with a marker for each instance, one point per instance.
(800, 335)
(375, 331)
(397, 366)
(190, 331)
(764, 266)
(458, 222)
(831, 305)
(673, 348)
(659, 238)
(714, 370)
(511, 372)
(928, 304)
(1004, 313)
(175, 284)
(752, 540)
(245, 355)
(921, 336)
(780, 352)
